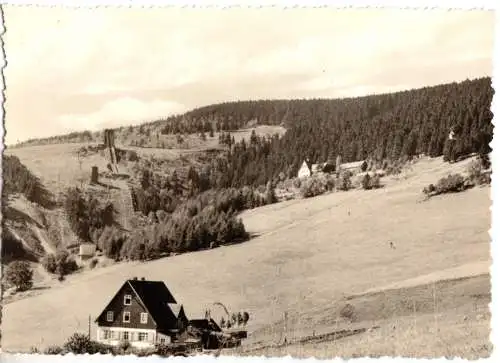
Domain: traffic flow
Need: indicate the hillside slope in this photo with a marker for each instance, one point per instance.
(25, 204)
(387, 126)
(308, 254)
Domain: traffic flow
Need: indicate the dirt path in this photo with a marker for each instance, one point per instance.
(469, 270)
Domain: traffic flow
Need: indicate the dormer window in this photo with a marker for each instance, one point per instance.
(127, 300)
(109, 316)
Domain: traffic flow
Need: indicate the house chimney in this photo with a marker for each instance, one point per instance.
(143, 279)
(134, 278)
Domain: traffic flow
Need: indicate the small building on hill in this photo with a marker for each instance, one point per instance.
(355, 167)
(316, 168)
(326, 167)
(305, 170)
(86, 251)
(143, 313)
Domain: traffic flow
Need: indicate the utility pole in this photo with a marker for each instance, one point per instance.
(285, 327)
(81, 177)
(60, 200)
(89, 326)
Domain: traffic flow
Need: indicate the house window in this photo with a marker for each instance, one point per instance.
(127, 300)
(109, 316)
(144, 318)
(107, 334)
(162, 340)
(125, 335)
(142, 337)
(126, 316)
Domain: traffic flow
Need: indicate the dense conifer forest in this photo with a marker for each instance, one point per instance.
(379, 127)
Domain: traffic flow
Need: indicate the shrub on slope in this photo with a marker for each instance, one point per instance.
(13, 249)
(86, 214)
(17, 178)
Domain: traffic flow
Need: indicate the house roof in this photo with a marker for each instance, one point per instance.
(152, 292)
(319, 166)
(87, 244)
(307, 163)
(354, 164)
(176, 308)
(205, 324)
(157, 300)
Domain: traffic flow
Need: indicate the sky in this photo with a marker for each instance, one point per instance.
(71, 69)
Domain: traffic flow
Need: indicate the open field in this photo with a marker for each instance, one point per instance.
(58, 165)
(195, 142)
(308, 256)
(261, 130)
(447, 318)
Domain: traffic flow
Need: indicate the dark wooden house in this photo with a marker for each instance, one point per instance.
(144, 313)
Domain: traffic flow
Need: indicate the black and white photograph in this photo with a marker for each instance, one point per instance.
(247, 181)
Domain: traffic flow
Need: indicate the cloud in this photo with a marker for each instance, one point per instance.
(81, 68)
(120, 112)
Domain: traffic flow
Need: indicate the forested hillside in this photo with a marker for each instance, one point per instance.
(380, 127)
(356, 127)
